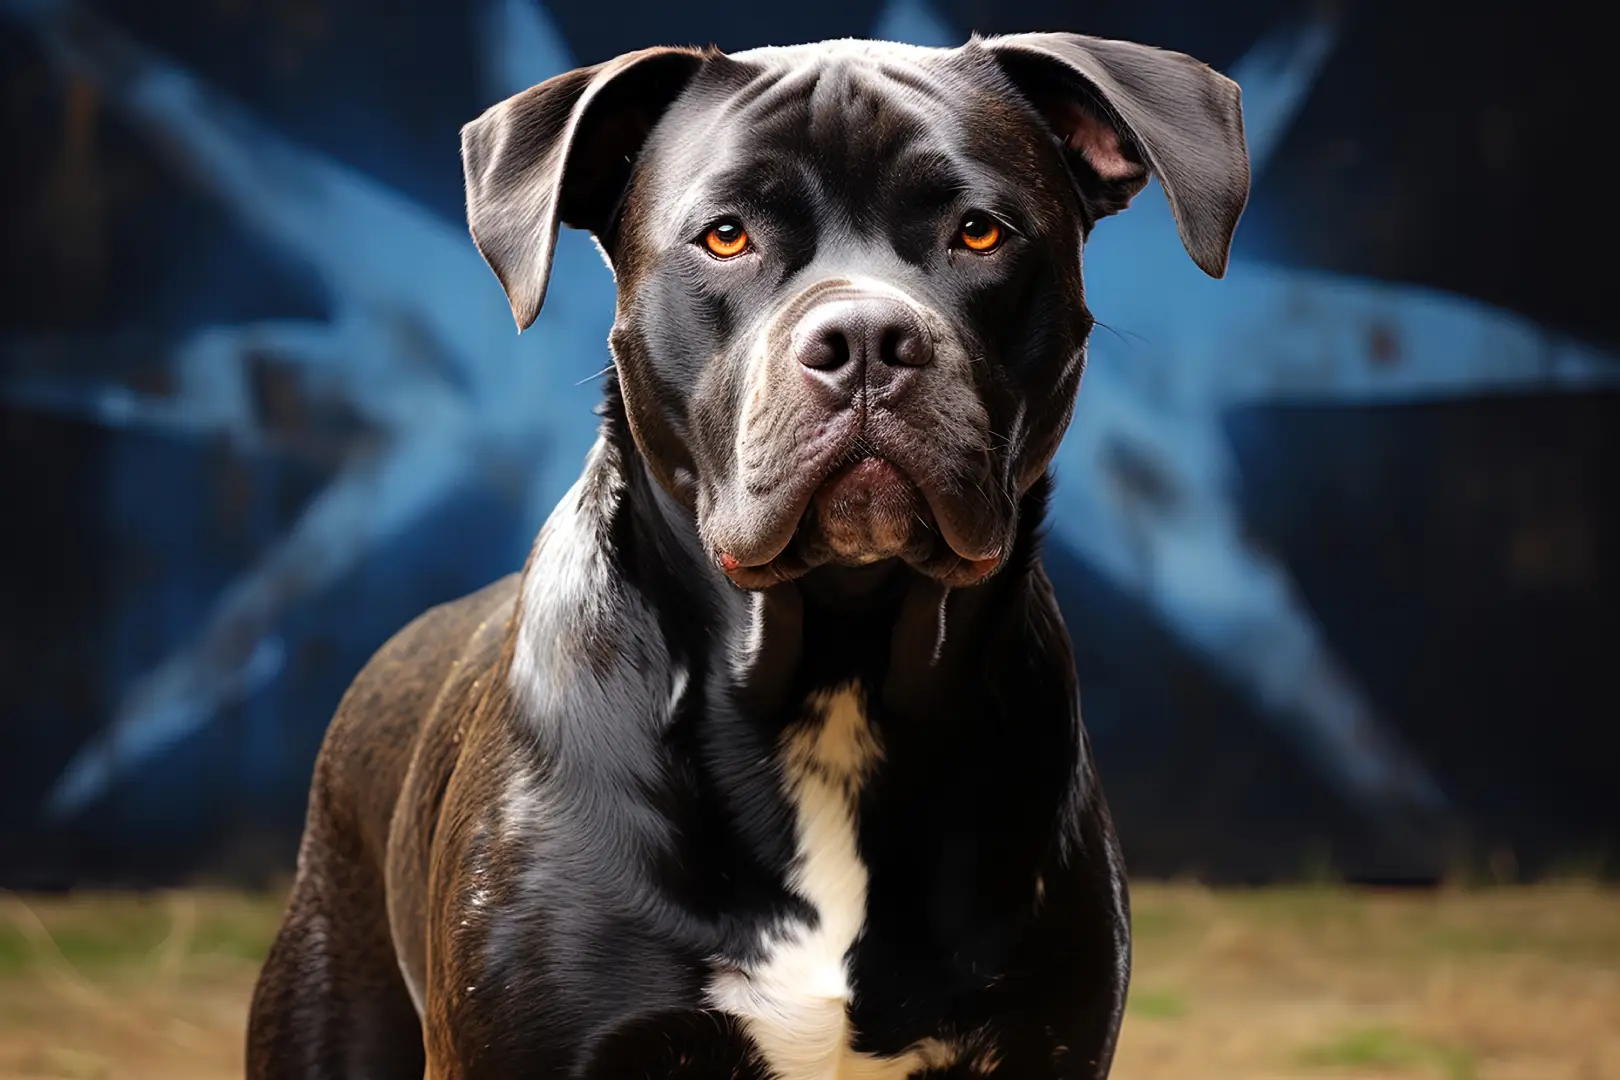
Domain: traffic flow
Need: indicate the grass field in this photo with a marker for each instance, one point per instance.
(1499, 984)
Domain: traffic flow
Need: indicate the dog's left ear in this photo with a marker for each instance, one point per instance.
(1123, 110)
(561, 151)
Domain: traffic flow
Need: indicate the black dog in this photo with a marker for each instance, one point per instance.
(770, 764)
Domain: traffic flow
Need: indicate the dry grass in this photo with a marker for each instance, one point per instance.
(1316, 984)
(1508, 984)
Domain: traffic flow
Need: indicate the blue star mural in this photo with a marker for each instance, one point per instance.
(418, 345)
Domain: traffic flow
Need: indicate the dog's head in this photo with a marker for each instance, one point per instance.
(851, 322)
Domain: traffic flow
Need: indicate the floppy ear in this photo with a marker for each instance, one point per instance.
(561, 152)
(1123, 110)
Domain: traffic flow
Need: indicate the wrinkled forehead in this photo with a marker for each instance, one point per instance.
(853, 123)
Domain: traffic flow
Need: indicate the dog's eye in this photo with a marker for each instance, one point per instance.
(980, 233)
(726, 239)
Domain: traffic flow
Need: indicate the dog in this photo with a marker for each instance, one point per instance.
(770, 764)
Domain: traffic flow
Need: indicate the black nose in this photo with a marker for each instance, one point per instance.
(848, 337)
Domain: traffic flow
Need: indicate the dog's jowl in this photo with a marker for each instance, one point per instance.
(770, 763)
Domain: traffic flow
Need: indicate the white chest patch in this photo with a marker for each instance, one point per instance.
(794, 1003)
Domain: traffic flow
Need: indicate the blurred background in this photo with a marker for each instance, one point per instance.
(1336, 537)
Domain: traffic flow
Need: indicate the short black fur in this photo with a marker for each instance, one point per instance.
(552, 815)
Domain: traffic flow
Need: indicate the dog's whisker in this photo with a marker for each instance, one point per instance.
(1125, 336)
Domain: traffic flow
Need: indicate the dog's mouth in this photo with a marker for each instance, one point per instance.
(867, 509)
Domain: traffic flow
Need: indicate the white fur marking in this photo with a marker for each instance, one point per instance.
(744, 657)
(567, 583)
(677, 689)
(794, 1004)
(417, 1000)
(524, 813)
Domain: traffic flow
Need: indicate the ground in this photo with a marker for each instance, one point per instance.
(1312, 983)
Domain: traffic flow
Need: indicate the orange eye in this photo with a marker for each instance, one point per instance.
(726, 240)
(980, 233)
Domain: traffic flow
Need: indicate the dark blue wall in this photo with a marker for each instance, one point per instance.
(1456, 551)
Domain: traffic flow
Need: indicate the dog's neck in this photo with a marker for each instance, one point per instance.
(639, 673)
(620, 566)
(884, 622)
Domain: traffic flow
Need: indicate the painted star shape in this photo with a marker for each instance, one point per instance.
(419, 345)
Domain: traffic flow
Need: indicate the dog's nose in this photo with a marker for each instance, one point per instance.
(843, 339)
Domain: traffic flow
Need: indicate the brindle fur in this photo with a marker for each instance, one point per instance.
(549, 816)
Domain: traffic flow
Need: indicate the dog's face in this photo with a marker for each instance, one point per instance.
(851, 319)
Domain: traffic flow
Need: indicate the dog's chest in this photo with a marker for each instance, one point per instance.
(794, 1003)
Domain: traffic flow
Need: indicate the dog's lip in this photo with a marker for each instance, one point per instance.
(984, 547)
(979, 556)
(974, 537)
(973, 549)
(872, 471)
(781, 521)
(980, 549)
(844, 462)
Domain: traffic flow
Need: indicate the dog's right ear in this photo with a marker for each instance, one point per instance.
(561, 152)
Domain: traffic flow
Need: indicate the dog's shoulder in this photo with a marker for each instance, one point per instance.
(405, 678)
(405, 685)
